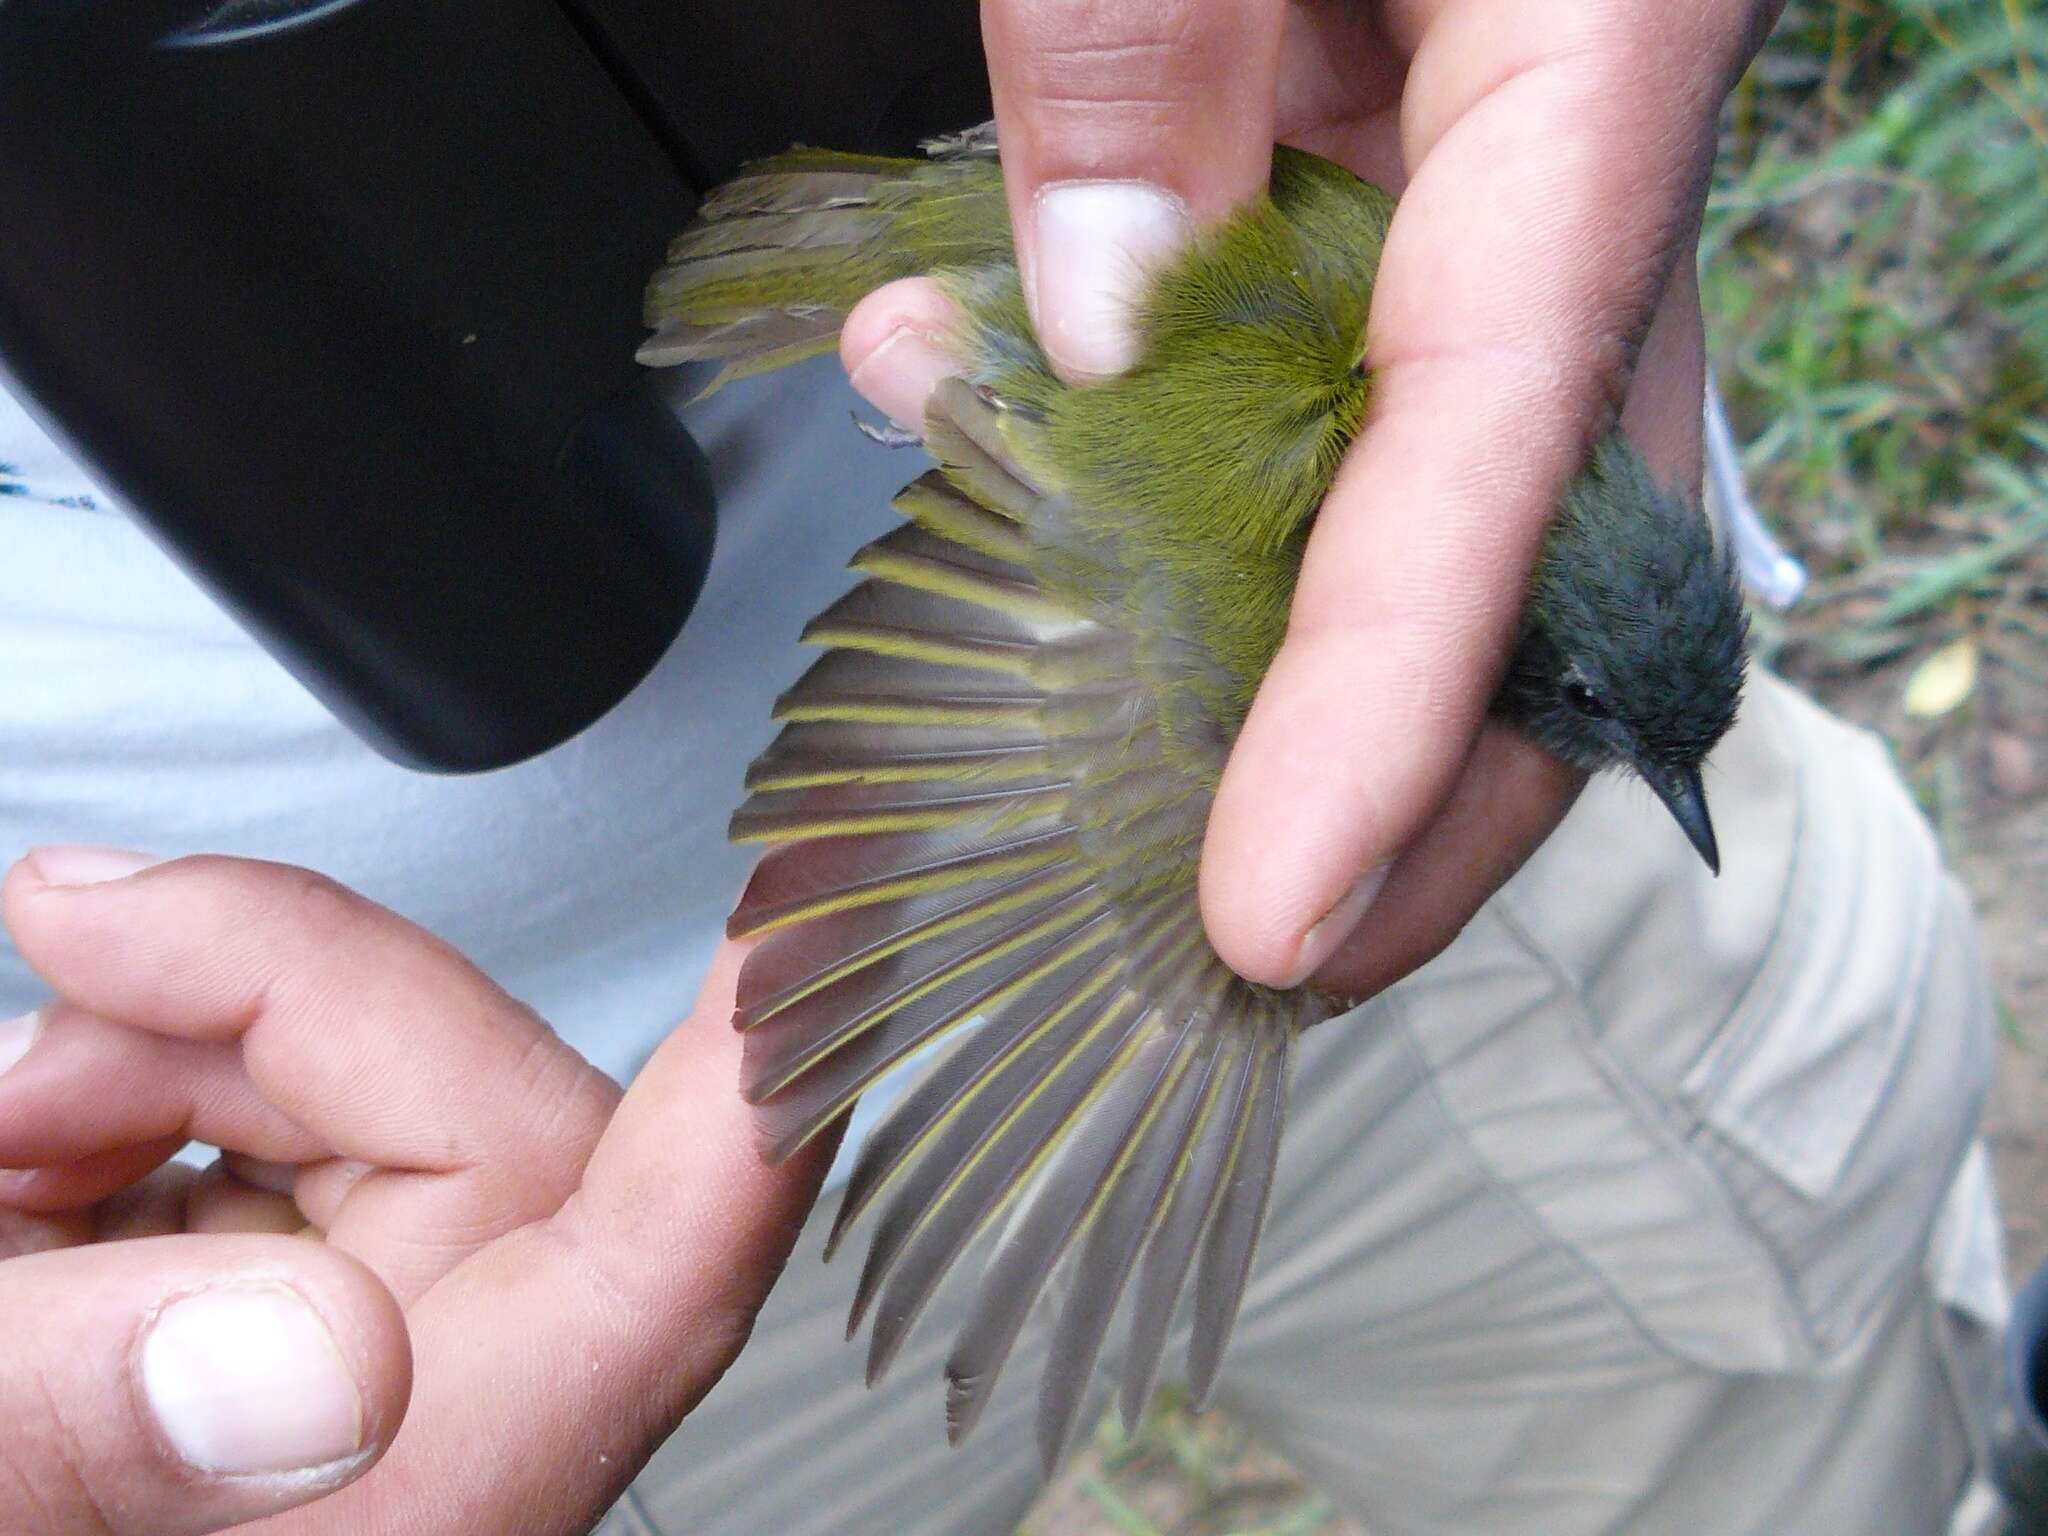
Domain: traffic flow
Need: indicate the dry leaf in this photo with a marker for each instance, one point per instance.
(1944, 680)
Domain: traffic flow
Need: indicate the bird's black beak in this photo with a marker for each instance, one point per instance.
(1686, 798)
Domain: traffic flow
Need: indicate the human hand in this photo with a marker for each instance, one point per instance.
(433, 1210)
(1551, 159)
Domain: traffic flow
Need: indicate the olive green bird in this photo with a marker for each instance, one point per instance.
(985, 807)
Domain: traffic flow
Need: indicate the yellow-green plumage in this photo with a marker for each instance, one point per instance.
(983, 813)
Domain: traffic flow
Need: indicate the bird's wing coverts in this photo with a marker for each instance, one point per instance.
(977, 810)
(767, 269)
(775, 258)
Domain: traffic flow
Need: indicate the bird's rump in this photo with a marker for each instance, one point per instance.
(981, 832)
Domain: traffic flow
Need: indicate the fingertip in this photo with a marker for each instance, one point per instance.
(1096, 245)
(1509, 798)
(79, 864)
(1257, 933)
(894, 347)
(916, 303)
(83, 1181)
(73, 908)
(208, 1381)
(370, 1331)
(1337, 764)
(38, 884)
(1123, 129)
(1287, 954)
(21, 882)
(898, 378)
(220, 1200)
(1335, 928)
(292, 1369)
(909, 304)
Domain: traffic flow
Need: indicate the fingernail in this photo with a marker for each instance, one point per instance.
(247, 1379)
(898, 377)
(80, 865)
(1096, 242)
(1322, 941)
(18, 1038)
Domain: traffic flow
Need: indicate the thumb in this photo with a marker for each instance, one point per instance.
(1124, 126)
(186, 1384)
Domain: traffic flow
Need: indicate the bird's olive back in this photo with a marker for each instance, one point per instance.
(1193, 479)
(1203, 465)
(1261, 325)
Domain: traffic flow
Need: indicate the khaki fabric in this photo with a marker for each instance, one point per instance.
(1654, 1205)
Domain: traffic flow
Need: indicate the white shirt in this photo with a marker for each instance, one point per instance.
(591, 883)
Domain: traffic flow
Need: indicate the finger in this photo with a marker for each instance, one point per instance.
(1509, 798)
(1664, 415)
(1124, 127)
(90, 1085)
(74, 1185)
(610, 1320)
(101, 1104)
(481, 1117)
(1558, 155)
(23, 1232)
(322, 1189)
(218, 1201)
(181, 1384)
(154, 1206)
(1511, 795)
(1340, 90)
(895, 348)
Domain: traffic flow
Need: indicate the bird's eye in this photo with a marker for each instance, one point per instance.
(1585, 701)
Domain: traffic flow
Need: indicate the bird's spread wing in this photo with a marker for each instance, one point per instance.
(982, 828)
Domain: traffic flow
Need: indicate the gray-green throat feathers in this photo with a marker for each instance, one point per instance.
(983, 812)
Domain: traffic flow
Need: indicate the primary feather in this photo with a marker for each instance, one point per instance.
(984, 810)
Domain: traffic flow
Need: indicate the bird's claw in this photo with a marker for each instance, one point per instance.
(889, 435)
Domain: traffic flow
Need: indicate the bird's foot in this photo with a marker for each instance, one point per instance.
(889, 435)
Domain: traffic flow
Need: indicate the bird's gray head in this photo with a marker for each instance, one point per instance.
(1631, 652)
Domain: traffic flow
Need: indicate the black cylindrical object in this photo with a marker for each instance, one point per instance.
(340, 298)
(2019, 1441)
